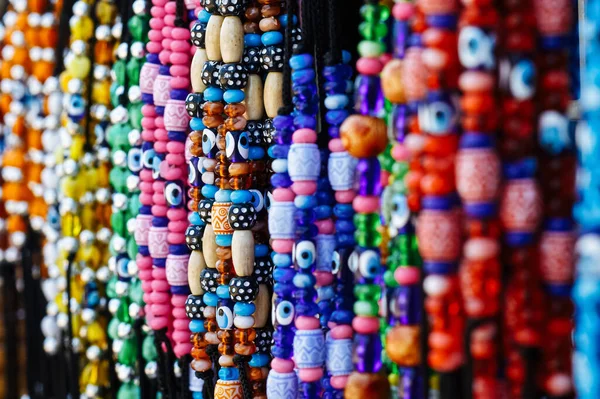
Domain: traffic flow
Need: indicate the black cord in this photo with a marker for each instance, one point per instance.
(141, 364)
(179, 14)
(241, 362)
(288, 106)
(128, 39)
(184, 363)
(64, 32)
(160, 361)
(334, 55)
(9, 300)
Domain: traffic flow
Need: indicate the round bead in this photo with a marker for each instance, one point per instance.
(193, 237)
(233, 76)
(242, 216)
(243, 289)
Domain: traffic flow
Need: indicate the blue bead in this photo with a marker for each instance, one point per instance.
(346, 56)
(283, 274)
(210, 299)
(344, 226)
(256, 153)
(343, 211)
(303, 76)
(194, 218)
(337, 101)
(259, 360)
(261, 250)
(204, 16)
(304, 280)
(244, 309)
(345, 240)
(229, 373)
(282, 260)
(283, 289)
(234, 96)
(271, 38)
(323, 212)
(223, 196)
(252, 40)
(284, 20)
(305, 201)
(336, 117)
(224, 240)
(196, 124)
(197, 326)
(213, 94)
(241, 196)
(281, 180)
(223, 291)
(305, 121)
(279, 151)
(301, 61)
(209, 190)
(197, 395)
(326, 292)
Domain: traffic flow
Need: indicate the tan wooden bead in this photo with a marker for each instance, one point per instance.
(273, 97)
(195, 266)
(263, 304)
(209, 246)
(232, 40)
(213, 38)
(198, 62)
(254, 98)
(242, 252)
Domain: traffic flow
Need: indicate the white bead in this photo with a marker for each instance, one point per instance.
(243, 322)
(436, 286)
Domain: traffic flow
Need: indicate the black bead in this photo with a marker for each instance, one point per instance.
(232, 7)
(263, 340)
(243, 289)
(254, 129)
(268, 131)
(242, 216)
(296, 38)
(193, 104)
(210, 73)
(194, 307)
(263, 267)
(252, 59)
(193, 237)
(271, 58)
(233, 76)
(198, 34)
(211, 6)
(205, 209)
(209, 280)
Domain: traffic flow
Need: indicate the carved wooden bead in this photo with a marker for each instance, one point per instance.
(273, 98)
(232, 40)
(195, 267)
(254, 98)
(233, 76)
(242, 248)
(243, 289)
(213, 38)
(210, 73)
(263, 304)
(198, 62)
(209, 246)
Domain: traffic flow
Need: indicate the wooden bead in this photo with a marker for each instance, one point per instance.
(242, 249)
(198, 62)
(392, 83)
(367, 385)
(254, 98)
(195, 266)
(210, 247)
(262, 303)
(213, 38)
(273, 98)
(232, 40)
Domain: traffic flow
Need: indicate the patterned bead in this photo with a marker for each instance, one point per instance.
(242, 216)
(243, 289)
(220, 222)
(341, 168)
(198, 34)
(193, 237)
(255, 132)
(309, 348)
(268, 131)
(281, 220)
(193, 105)
(252, 60)
(263, 267)
(208, 280)
(194, 307)
(271, 58)
(210, 73)
(339, 356)
(211, 6)
(282, 385)
(205, 210)
(237, 146)
(231, 7)
(304, 162)
(263, 340)
(233, 76)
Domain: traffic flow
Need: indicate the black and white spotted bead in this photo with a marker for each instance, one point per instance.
(254, 129)
(233, 76)
(193, 237)
(211, 6)
(263, 340)
(205, 210)
(232, 7)
(242, 216)
(263, 268)
(210, 73)
(296, 38)
(198, 34)
(243, 289)
(193, 105)
(209, 279)
(194, 307)
(268, 131)
(252, 59)
(271, 58)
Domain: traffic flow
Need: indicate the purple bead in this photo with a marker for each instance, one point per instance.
(410, 384)
(407, 301)
(368, 176)
(398, 123)
(401, 32)
(334, 132)
(367, 353)
(369, 97)
(281, 180)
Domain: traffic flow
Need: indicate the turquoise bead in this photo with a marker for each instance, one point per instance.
(256, 153)
(224, 240)
(229, 374)
(196, 124)
(195, 219)
(241, 196)
(223, 196)
(196, 326)
(252, 40)
(204, 16)
(282, 260)
(223, 291)
(301, 61)
(244, 309)
(209, 190)
(213, 94)
(259, 360)
(233, 96)
(210, 299)
(305, 201)
(271, 38)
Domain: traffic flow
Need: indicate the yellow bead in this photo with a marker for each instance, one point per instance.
(79, 67)
(101, 92)
(69, 188)
(77, 147)
(96, 334)
(105, 12)
(82, 28)
(64, 79)
(393, 378)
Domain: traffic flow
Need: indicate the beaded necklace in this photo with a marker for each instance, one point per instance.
(364, 137)
(557, 177)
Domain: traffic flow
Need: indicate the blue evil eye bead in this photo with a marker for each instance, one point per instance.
(243, 289)
(53, 217)
(476, 48)
(198, 34)
(400, 211)
(233, 76)
(208, 280)
(271, 58)
(156, 167)
(193, 237)
(122, 268)
(224, 317)
(194, 173)
(193, 104)
(304, 254)
(241, 216)
(237, 146)
(210, 73)
(148, 158)
(209, 142)
(194, 307)
(438, 117)
(257, 200)
(263, 267)
(284, 313)
(252, 59)
(367, 263)
(554, 132)
(519, 78)
(174, 194)
(76, 107)
(134, 159)
(231, 7)
(205, 209)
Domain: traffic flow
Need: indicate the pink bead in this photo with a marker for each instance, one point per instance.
(384, 178)
(179, 70)
(181, 34)
(283, 246)
(160, 276)
(403, 11)
(175, 147)
(153, 47)
(160, 146)
(311, 375)
(144, 263)
(158, 323)
(178, 226)
(435, 59)
(400, 153)
(365, 325)
(159, 297)
(177, 214)
(369, 66)
(182, 349)
(170, 21)
(149, 110)
(325, 226)
(179, 313)
(179, 300)
(480, 249)
(304, 136)
(181, 336)
(146, 198)
(159, 210)
(157, 12)
(307, 323)
(304, 187)
(323, 278)
(175, 159)
(176, 238)
(180, 59)
(164, 56)
(155, 36)
(161, 309)
(339, 381)
(146, 175)
(180, 82)
(181, 46)
(385, 58)
(156, 24)
(366, 204)
(283, 195)
(171, 7)
(169, 173)
(476, 81)
(342, 332)
(407, 275)
(335, 145)
(282, 365)
(345, 196)
(161, 134)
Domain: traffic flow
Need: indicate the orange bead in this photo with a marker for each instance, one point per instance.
(436, 184)
(364, 136)
(441, 145)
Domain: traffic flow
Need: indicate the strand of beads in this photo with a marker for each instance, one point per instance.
(478, 181)
(586, 362)
(520, 206)
(441, 252)
(557, 177)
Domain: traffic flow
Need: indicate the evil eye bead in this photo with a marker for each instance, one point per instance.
(252, 60)
(400, 211)
(192, 105)
(148, 158)
(336, 263)
(284, 313)
(76, 107)
(233, 76)
(208, 280)
(194, 307)
(134, 160)
(224, 317)
(242, 216)
(554, 132)
(198, 34)
(521, 80)
(271, 58)
(437, 117)
(243, 289)
(193, 237)
(193, 175)
(209, 141)
(174, 194)
(369, 264)
(231, 7)
(305, 254)
(237, 146)
(476, 48)
(210, 73)
(205, 210)
(258, 200)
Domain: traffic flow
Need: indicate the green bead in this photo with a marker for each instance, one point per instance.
(386, 160)
(111, 292)
(129, 390)
(366, 308)
(113, 328)
(123, 311)
(366, 221)
(117, 221)
(400, 169)
(119, 70)
(370, 49)
(128, 353)
(388, 278)
(136, 293)
(135, 115)
(118, 179)
(132, 248)
(148, 349)
(367, 291)
(367, 239)
(134, 205)
(134, 67)
(139, 27)
(117, 136)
